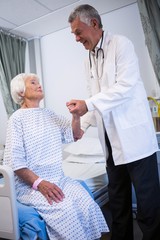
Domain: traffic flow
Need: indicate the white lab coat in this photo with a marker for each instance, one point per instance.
(117, 96)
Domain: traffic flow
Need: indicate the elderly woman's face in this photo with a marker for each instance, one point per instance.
(33, 89)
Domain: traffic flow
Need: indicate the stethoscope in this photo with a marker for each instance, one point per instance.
(100, 49)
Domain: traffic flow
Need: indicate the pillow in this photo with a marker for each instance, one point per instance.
(85, 146)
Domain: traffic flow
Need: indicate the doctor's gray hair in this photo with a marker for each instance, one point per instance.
(17, 86)
(86, 13)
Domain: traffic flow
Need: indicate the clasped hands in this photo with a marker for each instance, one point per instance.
(77, 107)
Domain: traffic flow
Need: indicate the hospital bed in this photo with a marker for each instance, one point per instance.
(83, 161)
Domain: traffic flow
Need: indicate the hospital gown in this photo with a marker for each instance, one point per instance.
(34, 141)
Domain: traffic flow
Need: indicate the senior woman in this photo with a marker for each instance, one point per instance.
(34, 151)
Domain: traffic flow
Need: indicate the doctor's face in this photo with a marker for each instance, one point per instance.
(84, 33)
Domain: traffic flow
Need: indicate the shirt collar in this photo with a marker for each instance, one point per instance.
(94, 51)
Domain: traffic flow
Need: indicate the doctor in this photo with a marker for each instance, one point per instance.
(118, 100)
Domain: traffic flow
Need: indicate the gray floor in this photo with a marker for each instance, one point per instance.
(107, 214)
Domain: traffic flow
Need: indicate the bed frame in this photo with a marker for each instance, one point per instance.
(8, 208)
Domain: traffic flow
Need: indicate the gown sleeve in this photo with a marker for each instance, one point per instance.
(65, 127)
(14, 154)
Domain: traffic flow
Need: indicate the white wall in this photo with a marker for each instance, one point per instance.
(63, 58)
(63, 70)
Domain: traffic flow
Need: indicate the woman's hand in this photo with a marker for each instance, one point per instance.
(51, 192)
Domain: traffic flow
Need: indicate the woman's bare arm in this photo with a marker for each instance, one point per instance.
(76, 126)
(51, 191)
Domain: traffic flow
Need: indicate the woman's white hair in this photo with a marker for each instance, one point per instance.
(17, 86)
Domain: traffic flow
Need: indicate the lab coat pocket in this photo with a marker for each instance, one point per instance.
(131, 114)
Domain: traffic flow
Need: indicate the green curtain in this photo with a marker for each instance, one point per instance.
(150, 17)
(12, 62)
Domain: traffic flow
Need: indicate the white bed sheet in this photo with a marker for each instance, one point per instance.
(88, 159)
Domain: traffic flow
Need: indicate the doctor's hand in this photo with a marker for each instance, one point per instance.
(51, 192)
(78, 107)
